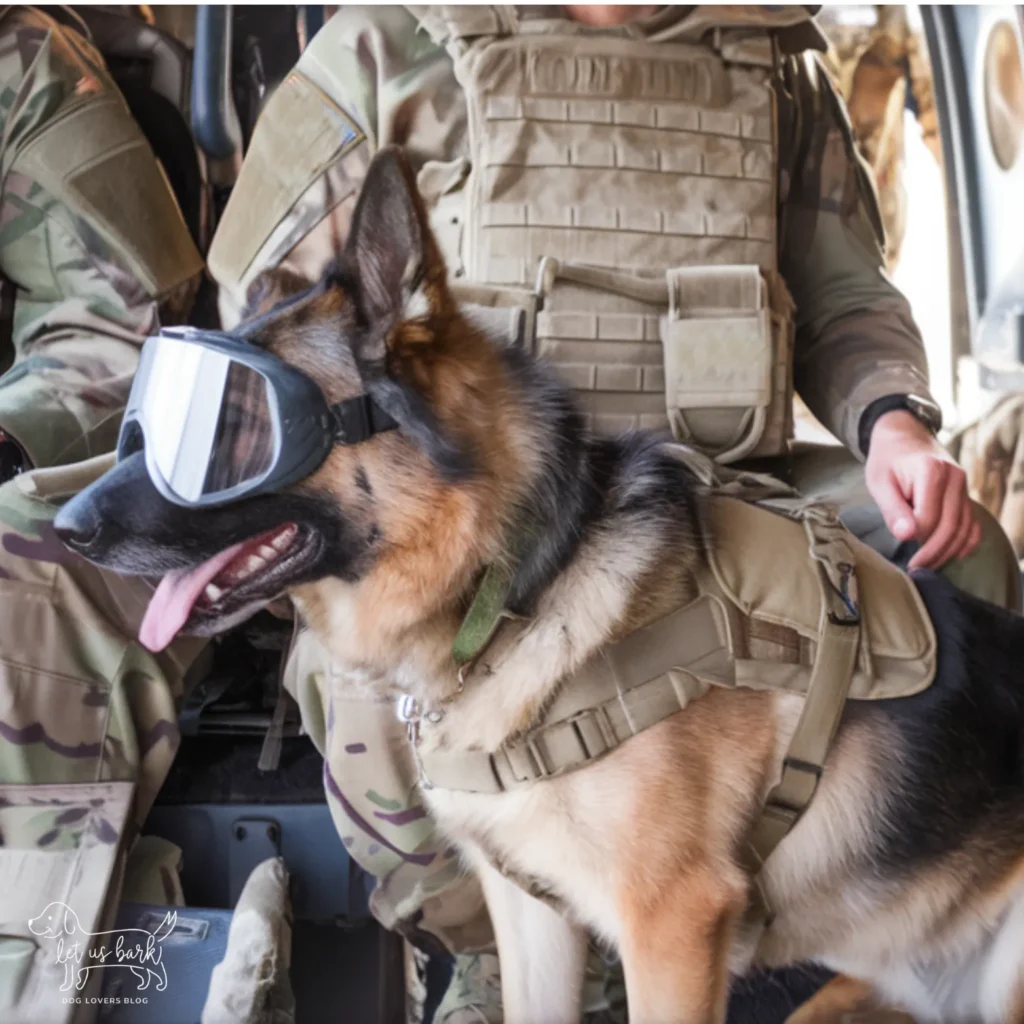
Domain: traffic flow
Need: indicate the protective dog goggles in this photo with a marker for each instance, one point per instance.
(220, 419)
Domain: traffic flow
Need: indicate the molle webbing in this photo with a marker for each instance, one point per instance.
(629, 177)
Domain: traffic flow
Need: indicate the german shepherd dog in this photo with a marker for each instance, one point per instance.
(905, 875)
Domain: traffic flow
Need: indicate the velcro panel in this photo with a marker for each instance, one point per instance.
(300, 134)
(95, 160)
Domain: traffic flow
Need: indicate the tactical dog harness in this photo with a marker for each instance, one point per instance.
(788, 600)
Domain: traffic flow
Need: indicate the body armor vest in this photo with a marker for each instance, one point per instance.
(631, 183)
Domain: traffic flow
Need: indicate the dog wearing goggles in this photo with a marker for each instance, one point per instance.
(364, 448)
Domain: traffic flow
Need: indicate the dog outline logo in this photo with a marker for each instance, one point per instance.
(75, 944)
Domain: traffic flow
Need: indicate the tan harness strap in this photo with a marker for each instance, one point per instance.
(622, 691)
(808, 749)
(823, 707)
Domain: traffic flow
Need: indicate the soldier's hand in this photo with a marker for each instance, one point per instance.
(921, 491)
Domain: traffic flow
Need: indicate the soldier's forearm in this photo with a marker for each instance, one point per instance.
(855, 361)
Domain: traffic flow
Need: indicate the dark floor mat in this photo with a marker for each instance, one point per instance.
(335, 974)
(223, 769)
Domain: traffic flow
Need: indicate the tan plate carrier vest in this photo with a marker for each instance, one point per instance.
(789, 600)
(631, 183)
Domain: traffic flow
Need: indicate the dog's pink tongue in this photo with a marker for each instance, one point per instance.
(175, 597)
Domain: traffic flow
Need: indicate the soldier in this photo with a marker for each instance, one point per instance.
(662, 134)
(94, 256)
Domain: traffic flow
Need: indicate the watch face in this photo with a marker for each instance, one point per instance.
(927, 412)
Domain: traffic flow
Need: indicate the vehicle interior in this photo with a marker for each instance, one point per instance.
(246, 784)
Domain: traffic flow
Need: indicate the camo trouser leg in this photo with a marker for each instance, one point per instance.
(82, 701)
(87, 733)
(370, 783)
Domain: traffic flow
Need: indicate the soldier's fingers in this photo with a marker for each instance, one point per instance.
(930, 493)
(895, 509)
(959, 546)
(941, 539)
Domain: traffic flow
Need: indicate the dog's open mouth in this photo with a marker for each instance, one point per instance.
(254, 571)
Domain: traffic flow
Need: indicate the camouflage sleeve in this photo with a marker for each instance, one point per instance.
(91, 238)
(856, 340)
(357, 86)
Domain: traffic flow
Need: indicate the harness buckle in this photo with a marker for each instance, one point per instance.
(593, 731)
(783, 799)
(539, 764)
(409, 713)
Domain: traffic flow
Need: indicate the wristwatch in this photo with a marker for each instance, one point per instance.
(922, 409)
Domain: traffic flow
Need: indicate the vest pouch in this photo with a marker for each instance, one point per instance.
(727, 341)
(599, 329)
(61, 862)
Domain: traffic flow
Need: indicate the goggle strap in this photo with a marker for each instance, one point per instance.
(358, 419)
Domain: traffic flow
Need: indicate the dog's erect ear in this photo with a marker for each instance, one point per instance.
(395, 258)
(391, 247)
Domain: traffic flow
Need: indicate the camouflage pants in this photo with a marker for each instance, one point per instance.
(88, 730)
(81, 703)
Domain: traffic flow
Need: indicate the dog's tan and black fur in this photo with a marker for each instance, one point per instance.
(906, 873)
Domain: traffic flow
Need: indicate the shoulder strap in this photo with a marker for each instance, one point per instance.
(454, 27)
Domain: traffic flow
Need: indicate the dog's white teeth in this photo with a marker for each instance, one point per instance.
(267, 552)
(283, 540)
(252, 565)
(213, 593)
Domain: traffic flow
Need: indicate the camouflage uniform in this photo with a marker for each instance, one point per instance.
(992, 454)
(87, 718)
(874, 64)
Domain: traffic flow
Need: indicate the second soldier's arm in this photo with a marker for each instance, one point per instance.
(90, 236)
(367, 79)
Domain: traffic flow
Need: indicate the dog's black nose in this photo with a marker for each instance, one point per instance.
(78, 524)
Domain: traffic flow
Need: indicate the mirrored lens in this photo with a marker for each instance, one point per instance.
(243, 447)
(208, 418)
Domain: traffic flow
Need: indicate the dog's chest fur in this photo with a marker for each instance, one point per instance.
(554, 834)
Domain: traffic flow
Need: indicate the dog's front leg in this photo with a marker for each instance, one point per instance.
(675, 948)
(541, 954)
